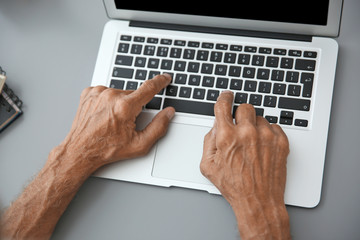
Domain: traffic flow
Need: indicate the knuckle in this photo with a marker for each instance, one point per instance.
(98, 89)
(248, 132)
(204, 167)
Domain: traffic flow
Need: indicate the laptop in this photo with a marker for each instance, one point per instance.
(279, 56)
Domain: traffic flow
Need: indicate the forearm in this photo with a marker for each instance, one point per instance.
(257, 220)
(35, 213)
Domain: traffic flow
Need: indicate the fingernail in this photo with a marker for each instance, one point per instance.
(170, 112)
(168, 76)
(228, 91)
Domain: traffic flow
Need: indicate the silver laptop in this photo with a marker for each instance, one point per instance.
(280, 57)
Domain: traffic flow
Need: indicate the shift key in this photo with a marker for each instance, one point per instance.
(123, 72)
(294, 104)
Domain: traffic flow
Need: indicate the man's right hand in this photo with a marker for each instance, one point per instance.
(246, 161)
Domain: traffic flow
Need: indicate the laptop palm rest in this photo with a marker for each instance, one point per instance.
(179, 153)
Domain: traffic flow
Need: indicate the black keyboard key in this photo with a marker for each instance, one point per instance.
(286, 121)
(255, 99)
(264, 87)
(279, 89)
(221, 46)
(271, 119)
(153, 63)
(123, 60)
(237, 48)
(230, 58)
(301, 122)
(295, 53)
(270, 101)
(310, 54)
(249, 72)
(307, 79)
(185, 92)
(263, 74)
(244, 59)
(277, 75)
(222, 83)
(236, 84)
(234, 71)
(194, 80)
(180, 78)
(272, 61)
(250, 86)
(123, 72)
(130, 85)
(175, 52)
(140, 62)
(155, 103)
(140, 74)
(287, 114)
(125, 38)
(152, 40)
(193, 107)
(202, 55)
(303, 64)
(212, 95)
(117, 84)
(207, 45)
(207, 68)
(286, 117)
(179, 43)
(250, 49)
(149, 50)
(139, 39)
(265, 50)
(162, 51)
(166, 64)
(166, 41)
(208, 81)
(278, 51)
(193, 44)
(258, 111)
(221, 70)
(292, 76)
(287, 63)
(180, 66)
(294, 90)
(171, 90)
(216, 56)
(294, 104)
(153, 74)
(123, 47)
(199, 93)
(189, 54)
(241, 98)
(136, 49)
(258, 60)
(193, 67)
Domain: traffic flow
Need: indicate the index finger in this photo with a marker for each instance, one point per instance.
(223, 107)
(148, 90)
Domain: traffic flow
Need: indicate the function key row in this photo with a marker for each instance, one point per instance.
(220, 46)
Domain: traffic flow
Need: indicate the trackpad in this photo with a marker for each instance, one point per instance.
(179, 153)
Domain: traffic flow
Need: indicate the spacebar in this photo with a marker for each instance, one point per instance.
(190, 106)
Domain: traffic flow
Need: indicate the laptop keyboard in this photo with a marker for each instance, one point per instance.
(277, 81)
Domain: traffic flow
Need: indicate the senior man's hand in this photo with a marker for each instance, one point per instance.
(104, 128)
(246, 161)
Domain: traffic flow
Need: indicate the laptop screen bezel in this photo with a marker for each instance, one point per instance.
(329, 30)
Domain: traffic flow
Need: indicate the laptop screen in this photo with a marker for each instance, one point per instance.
(296, 11)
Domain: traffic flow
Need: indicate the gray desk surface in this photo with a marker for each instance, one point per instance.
(49, 48)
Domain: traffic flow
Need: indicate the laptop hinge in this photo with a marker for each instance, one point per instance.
(223, 31)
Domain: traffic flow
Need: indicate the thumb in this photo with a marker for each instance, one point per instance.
(157, 128)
